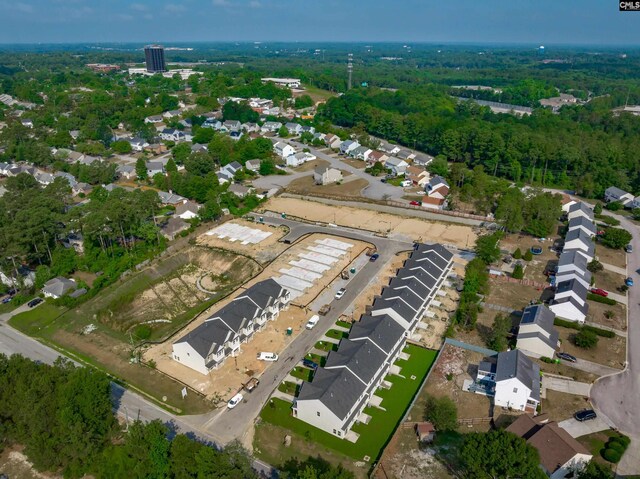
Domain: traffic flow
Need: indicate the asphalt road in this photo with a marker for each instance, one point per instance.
(376, 190)
(228, 425)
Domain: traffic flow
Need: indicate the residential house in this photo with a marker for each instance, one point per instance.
(299, 158)
(571, 288)
(347, 146)
(332, 141)
(187, 210)
(325, 175)
(187, 123)
(569, 308)
(583, 224)
(171, 134)
(537, 336)
(27, 122)
(517, 381)
(44, 178)
(389, 148)
(580, 209)
(206, 347)
(339, 392)
(154, 168)
(170, 198)
(573, 265)
(361, 153)
(57, 287)
(270, 127)
(613, 193)
(396, 165)
(198, 148)
(417, 175)
(172, 113)
(74, 134)
(235, 135)
(376, 157)
(81, 188)
(74, 240)
(239, 190)
(173, 227)
(18, 277)
(227, 172)
(293, 128)
(437, 191)
(577, 239)
(422, 159)
(251, 127)
(156, 148)
(283, 150)
(567, 202)
(154, 119)
(231, 125)
(252, 165)
(319, 136)
(138, 144)
(425, 431)
(308, 129)
(560, 454)
(406, 155)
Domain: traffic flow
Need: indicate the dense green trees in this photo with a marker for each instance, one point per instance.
(488, 247)
(441, 412)
(239, 111)
(497, 338)
(303, 101)
(615, 238)
(499, 454)
(476, 281)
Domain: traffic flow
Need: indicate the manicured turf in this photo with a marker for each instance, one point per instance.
(32, 321)
(326, 346)
(289, 388)
(335, 334)
(375, 435)
(302, 373)
(343, 324)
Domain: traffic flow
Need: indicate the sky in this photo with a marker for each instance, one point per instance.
(578, 22)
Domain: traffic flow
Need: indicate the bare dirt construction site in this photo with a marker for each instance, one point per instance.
(263, 251)
(350, 186)
(227, 380)
(417, 229)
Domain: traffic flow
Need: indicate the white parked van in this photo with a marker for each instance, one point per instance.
(267, 356)
(407, 183)
(313, 321)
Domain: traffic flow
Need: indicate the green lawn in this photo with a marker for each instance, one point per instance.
(395, 181)
(343, 324)
(326, 346)
(335, 334)
(302, 373)
(289, 388)
(316, 358)
(375, 435)
(33, 321)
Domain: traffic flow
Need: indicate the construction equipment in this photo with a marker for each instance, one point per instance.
(371, 251)
(251, 384)
(344, 274)
(324, 310)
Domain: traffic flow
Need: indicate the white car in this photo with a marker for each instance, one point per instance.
(234, 401)
(267, 356)
(340, 293)
(313, 320)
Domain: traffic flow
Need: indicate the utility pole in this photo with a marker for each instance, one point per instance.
(349, 69)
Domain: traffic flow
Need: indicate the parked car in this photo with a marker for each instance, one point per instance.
(6, 300)
(415, 203)
(374, 257)
(384, 180)
(251, 384)
(308, 363)
(567, 357)
(600, 292)
(628, 282)
(585, 415)
(629, 248)
(267, 356)
(234, 401)
(340, 293)
(313, 320)
(34, 302)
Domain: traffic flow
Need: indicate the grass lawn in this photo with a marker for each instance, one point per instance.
(375, 435)
(302, 373)
(326, 346)
(396, 181)
(595, 444)
(343, 324)
(316, 358)
(335, 334)
(33, 321)
(289, 388)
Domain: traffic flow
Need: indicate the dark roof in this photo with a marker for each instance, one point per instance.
(580, 206)
(264, 293)
(382, 330)
(614, 190)
(538, 314)
(362, 358)
(338, 389)
(417, 274)
(237, 313)
(411, 283)
(440, 251)
(514, 364)
(572, 257)
(395, 304)
(207, 338)
(572, 285)
(405, 295)
(584, 222)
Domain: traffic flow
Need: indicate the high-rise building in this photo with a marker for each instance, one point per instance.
(154, 58)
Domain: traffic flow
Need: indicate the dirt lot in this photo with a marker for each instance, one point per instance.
(405, 458)
(609, 351)
(354, 162)
(447, 376)
(616, 257)
(597, 315)
(511, 295)
(348, 187)
(608, 280)
(416, 229)
(15, 464)
(311, 165)
(228, 379)
(561, 406)
(534, 269)
(263, 252)
(484, 325)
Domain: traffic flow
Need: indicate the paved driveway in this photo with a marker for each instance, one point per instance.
(577, 428)
(566, 386)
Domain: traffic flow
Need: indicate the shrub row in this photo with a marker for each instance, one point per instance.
(601, 299)
(573, 325)
(615, 448)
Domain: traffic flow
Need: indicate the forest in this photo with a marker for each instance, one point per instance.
(62, 416)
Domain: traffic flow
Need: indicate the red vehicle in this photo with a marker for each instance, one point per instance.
(415, 203)
(600, 292)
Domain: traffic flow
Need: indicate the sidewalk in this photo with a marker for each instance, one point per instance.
(615, 269)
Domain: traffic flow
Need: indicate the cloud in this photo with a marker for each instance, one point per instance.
(138, 7)
(174, 8)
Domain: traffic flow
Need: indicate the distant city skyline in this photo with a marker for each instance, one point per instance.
(572, 22)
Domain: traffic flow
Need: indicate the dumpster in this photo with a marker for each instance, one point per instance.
(289, 331)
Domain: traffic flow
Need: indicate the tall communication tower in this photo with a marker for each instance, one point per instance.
(350, 69)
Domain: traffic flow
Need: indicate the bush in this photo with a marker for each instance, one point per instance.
(614, 206)
(601, 299)
(609, 220)
(585, 339)
(143, 332)
(442, 413)
(545, 359)
(597, 209)
(518, 272)
(566, 324)
(595, 266)
(517, 254)
(615, 238)
(605, 333)
(611, 455)
(527, 256)
(622, 439)
(616, 446)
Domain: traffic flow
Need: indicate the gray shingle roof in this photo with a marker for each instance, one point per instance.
(382, 330)
(540, 315)
(59, 286)
(581, 221)
(514, 364)
(338, 389)
(362, 358)
(571, 285)
(615, 191)
(572, 257)
(580, 206)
